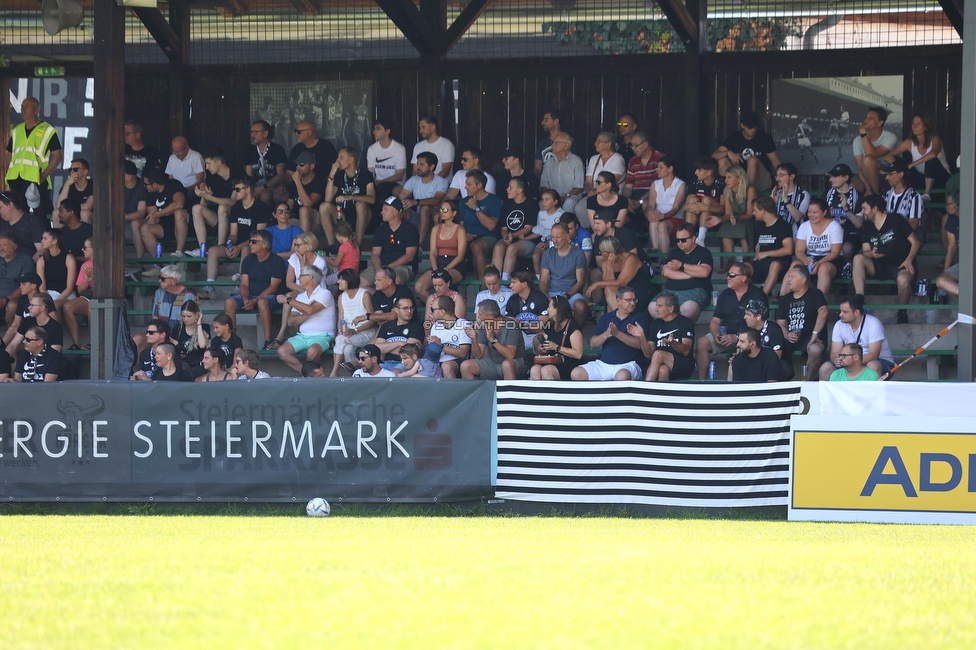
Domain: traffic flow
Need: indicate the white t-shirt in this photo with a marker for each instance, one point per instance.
(382, 373)
(421, 190)
(819, 245)
(888, 140)
(454, 337)
(324, 320)
(386, 162)
(872, 330)
(501, 297)
(442, 148)
(457, 182)
(615, 165)
(186, 170)
(543, 226)
(261, 375)
(318, 263)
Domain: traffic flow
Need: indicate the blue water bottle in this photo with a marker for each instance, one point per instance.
(159, 250)
(711, 370)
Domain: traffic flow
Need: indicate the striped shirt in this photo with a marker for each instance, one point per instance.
(641, 176)
(908, 204)
(832, 198)
(798, 198)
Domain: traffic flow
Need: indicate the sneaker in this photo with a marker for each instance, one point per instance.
(902, 316)
(151, 271)
(209, 292)
(177, 254)
(193, 253)
(926, 198)
(847, 272)
(236, 277)
(700, 241)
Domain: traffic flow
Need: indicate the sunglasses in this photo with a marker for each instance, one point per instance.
(76, 169)
(841, 356)
(681, 240)
(153, 332)
(240, 189)
(446, 210)
(28, 340)
(623, 123)
(733, 275)
(362, 358)
(282, 211)
(392, 239)
(164, 277)
(297, 131)
(255, 241)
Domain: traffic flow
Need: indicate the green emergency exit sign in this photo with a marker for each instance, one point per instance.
(49, 71)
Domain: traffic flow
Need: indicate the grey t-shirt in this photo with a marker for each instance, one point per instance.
(508, 334)
(562, 269)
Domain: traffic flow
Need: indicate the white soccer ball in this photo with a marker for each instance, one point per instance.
(317, 507)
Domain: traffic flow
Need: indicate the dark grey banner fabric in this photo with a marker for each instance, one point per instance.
(272, 440)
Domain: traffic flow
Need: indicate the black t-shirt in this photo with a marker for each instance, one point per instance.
(81, 195)
(732, 311)
(274, 155)
(147, 362)
(184, 338)
(314, 186)
(607, 212)
(394, 245)
(220, 187)
(325, 154)
(33, 369)
(26, 232)
(771, 336)
(702, 191)
(147, 157)
(765, 367)
(680, 327)
(528, 310)
(516, 216)
(771, 238)
(952, 224)
(163, 199)
(6, 363)
(259, 274)
(800, 313)
(134, 195)
(55, 332)
(384, 304)
(761, 145)
(182, 374)
(248, 219)
(698, 255)
(73, 241)
(354, 185)
(393, 332)
(228, 348)
(892, 240)
(53, 145)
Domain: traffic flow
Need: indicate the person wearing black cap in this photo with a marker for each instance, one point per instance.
(13, 264)
(513, 160)
(844, 201)
(902, 197)
(369, 359)
(751, 148)
(30, 283)
(135, 205)
(306, 190)
(395, 244)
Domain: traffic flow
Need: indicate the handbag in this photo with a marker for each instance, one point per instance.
(552, 359)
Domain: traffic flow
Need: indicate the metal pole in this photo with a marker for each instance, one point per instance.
(967, 198)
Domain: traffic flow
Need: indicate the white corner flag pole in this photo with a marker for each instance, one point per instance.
(962, 318)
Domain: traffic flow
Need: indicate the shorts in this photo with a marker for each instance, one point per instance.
(168, 224)
(838, 262)
(572, 299)
(683, 366)
(886, 365)
(490, 241)
(600, 371)
(760, 268)
(884, 271)
(302, 342)
(392, 365)
(404, 274)
(57, 294)
(272, 301)
(953, 271)
(491, 370)
(444, 260)
(697, 295)
(530, 245)
(718, 348)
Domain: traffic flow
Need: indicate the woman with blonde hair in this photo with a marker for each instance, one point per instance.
(736, 223)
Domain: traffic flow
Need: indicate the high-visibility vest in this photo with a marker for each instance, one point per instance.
(30, 155)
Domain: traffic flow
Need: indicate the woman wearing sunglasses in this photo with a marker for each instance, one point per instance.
(448, 245)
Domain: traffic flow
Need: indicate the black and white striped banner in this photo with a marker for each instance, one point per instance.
(633, 442)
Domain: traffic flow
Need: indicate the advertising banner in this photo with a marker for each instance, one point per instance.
(893, 470)
(273, 440)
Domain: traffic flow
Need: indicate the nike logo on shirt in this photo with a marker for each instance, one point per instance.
(379, 160)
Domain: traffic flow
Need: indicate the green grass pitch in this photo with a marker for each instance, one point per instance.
(480, 582)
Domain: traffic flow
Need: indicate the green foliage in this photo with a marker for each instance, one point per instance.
(752, 34)
(617, 36)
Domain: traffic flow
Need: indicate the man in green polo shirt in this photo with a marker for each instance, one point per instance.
(35, 153)
(852, 366)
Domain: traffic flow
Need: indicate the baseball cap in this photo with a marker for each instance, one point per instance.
(372, 351)
(305, 158)
(897, 166)
(33, 196)
(395, 202)
(840, 170)
(517, 153)
(30, 276)
(603, 215)
(130, 168)
(758, 307)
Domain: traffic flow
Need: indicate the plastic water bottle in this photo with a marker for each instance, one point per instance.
(203, 249)
(723, 331)
(159, 250)
(810, 265)
(342, 326)
(229, 245)
(339, 215)
(711, 370)
(714, 298)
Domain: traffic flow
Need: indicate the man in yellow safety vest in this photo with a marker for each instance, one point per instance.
(36, 152)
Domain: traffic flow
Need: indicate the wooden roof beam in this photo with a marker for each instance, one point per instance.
(953, 10)
(462, 24)
(164, 35)
(680, 18)
(411, 22)
(306, 7)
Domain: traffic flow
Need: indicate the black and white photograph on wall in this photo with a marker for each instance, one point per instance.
(816, 120)
(342, 111)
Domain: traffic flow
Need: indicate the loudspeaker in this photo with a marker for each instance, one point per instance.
(59, 15)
